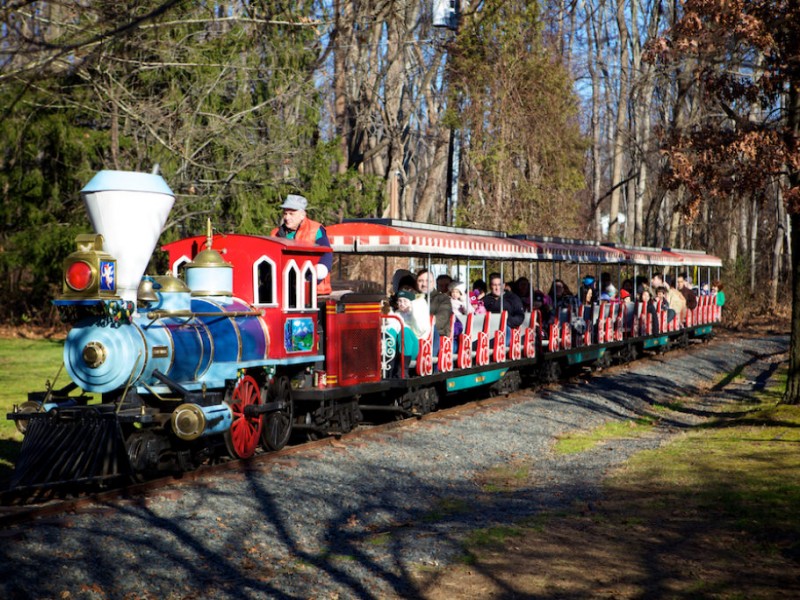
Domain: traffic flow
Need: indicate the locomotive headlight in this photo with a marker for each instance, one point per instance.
(79, 275)
(94, 354)
(188, 421)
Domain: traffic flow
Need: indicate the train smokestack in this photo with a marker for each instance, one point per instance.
(129, 210)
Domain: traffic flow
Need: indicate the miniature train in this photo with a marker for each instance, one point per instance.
(233, 350)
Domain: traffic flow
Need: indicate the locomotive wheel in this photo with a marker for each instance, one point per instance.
(146, 451)
(242, 438)
(278, 425)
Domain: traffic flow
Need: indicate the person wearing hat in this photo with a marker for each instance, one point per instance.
(587, 291)
(414, 312)
(609, 294)
(296, 225)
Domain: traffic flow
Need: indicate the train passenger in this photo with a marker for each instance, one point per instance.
(410, 346)
(626, 291)
(661, 296)
(477, 295)
(443, 282)
(641, 283)
(401, 274)
(295, 225)
(685, 288)
(542, 304)
(587, 294)
(522, 288)
(458, 298)
(560, 294)
(413, 311)
(461, 306)
(440, 307)
(605, 279)
(509, 300)
(609, 294)
(649, 308)
(675, 299)
(716, 289)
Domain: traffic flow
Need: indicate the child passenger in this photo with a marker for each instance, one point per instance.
(461, 305)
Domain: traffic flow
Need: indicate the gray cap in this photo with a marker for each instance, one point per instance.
(295, 202)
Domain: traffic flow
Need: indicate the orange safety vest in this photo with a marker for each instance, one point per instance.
(307, 232)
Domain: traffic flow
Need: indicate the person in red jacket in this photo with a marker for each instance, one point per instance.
(296, 225)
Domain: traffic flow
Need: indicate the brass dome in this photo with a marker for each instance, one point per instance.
(170, 284)
(208, 259)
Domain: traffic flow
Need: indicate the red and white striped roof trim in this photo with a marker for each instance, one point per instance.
(373, 237)
(405, 238)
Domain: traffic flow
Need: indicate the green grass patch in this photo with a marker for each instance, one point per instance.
(582, 441)
(664, 407)
(26, 366)
(741, 473)
(493, 537)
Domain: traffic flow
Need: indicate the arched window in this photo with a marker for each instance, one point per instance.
(291, 286)
(309, 285)
(264, 281)
(179, 266)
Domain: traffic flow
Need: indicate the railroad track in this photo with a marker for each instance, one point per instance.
(14, 514)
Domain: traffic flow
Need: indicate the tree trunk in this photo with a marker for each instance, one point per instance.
(777, 248)
(597, 173)
(753, 245)
(618, 160)
(343, 15)
(792, 394)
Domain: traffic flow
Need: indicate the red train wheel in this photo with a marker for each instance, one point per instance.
(245, 432)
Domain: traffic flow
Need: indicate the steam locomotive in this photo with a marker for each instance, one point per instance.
(233, 350)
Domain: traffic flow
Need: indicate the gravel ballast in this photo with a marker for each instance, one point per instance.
(357, 518)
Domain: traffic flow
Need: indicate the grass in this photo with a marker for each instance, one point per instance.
(25, 366)
(582, 441)
(712, 514)
(745, 470)
(493, 537)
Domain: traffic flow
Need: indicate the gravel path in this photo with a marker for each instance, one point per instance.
(356, 520)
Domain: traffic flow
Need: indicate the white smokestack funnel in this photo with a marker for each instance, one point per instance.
(129, 210)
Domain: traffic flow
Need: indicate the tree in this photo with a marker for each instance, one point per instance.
(224, 97)
(747, 70)
(523, 154)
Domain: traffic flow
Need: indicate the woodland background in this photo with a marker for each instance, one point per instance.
(618, 120)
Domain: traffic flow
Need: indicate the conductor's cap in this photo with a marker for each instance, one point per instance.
(295, 202)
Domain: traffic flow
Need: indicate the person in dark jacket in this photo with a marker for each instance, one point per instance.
(686, 289)
(511, 303)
